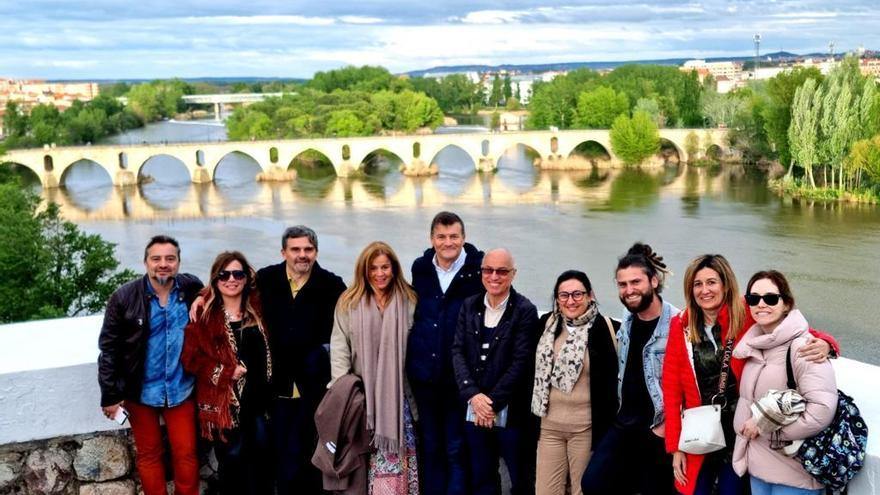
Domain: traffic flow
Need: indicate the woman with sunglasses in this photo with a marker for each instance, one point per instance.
(714, 321)
(226, 348)
(779, 332)
(370, 330)
(575, 388)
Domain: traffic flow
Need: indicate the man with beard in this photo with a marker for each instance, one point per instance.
(299, 297)
(632, 456)
(139, 368)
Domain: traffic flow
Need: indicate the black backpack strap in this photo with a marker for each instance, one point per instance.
(788, 370)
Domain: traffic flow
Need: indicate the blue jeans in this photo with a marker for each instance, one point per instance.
(442, 455)
(761, 487)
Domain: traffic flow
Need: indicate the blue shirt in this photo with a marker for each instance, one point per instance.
(444, 276)
(165, 383)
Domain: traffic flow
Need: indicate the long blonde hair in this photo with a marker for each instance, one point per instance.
(360, 285)
(732, 298)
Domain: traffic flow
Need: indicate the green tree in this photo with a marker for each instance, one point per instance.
(554, 103)
(651, 107)
(865, 156)
(365, 78)
(634, 139)
(803, 134)
(497, 94)
(598, 108)
(48, 267)
(508, 88)
(777, 112)
(344, 123)
(692, 145)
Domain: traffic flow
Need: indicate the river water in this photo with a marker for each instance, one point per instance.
(551, 221)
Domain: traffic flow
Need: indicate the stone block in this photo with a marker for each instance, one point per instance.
(48, 472)
(102, 458)
(119, 487)
(10, 470)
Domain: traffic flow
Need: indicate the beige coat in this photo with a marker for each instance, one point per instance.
(765, 370)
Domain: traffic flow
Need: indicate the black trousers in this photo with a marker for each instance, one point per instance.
(293, 428)
(443, 460)
(244, 459)
(629, 461)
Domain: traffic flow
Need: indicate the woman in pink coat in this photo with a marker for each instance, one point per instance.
(764, 347)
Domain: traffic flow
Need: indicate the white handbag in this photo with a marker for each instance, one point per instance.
(701, 431)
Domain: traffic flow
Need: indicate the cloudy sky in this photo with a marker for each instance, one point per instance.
(107, 39)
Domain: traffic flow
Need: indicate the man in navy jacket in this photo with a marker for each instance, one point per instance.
(443, 278)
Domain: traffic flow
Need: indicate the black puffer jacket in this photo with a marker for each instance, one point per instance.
(124, 334)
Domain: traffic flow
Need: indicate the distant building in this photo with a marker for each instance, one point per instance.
(824, 65)
(870, 67)
(730, 70)
(30, 93)
(724, 84)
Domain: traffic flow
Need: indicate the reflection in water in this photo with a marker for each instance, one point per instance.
(516, 168)
(86, 185)
(455, 168)
(633, 188)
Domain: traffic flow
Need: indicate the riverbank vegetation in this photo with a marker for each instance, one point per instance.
(82, 123)
(48, 267)
(347, 102)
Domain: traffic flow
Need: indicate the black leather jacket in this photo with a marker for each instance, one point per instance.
(124, 334)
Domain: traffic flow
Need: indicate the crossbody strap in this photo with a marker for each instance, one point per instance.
(725, 371)
(789, 372)
(612, 332)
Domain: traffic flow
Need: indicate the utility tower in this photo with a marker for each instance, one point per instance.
(831, 50)
(757, 40)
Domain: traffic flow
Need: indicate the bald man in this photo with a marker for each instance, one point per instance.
(493, 357)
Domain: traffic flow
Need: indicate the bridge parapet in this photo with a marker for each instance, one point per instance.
(123, 163)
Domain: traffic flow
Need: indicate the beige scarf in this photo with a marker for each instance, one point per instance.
(381, 343)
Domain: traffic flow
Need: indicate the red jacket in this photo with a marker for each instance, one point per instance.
(680, 384)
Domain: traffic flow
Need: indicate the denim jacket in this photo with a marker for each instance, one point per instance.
(652, 358)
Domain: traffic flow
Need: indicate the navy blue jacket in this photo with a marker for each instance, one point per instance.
(508, 372)
(429, 350)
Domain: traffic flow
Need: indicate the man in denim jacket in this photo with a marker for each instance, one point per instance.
(632, 456)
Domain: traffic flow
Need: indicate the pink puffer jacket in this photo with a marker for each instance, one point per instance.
(765, 370)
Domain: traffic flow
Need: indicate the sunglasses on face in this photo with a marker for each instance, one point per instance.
(502, 272)
(769, 299)
(576, 295)
(227, 274)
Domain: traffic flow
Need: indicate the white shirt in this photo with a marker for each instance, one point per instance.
(493, 315)
(446, 276)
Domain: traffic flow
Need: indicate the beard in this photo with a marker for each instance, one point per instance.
(162, 280)
(643, 304)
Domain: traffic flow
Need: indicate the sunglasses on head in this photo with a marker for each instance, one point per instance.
(226, 274)
(769, 299)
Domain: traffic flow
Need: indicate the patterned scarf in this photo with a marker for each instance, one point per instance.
(560, 371)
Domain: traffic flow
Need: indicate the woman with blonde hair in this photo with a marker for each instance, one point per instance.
(372, 322)
(226, 348)
(698, 353)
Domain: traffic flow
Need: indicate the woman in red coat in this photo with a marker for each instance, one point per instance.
(714, 314)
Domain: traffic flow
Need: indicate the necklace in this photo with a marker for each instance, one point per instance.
(231, 316)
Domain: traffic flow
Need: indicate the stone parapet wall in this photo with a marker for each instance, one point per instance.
(90, 464)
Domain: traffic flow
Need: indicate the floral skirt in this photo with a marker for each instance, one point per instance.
(396, 474)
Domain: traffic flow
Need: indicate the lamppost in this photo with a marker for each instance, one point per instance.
(757, 40)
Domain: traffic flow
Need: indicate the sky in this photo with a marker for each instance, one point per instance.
(112, 39)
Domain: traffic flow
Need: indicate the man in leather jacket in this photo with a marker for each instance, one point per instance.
(139, 368)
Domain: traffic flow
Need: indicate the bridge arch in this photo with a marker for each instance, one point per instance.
(312, 164)
(87, 170)
(512, 153)
(455, 154)
(26, 172)
(591, 151)
(164, 169)
(236, 160)
(380, 159)
(668, 146)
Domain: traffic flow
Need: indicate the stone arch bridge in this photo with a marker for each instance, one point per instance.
(417, 152)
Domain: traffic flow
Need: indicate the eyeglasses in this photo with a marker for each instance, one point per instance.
(770, 299)
(227, 274)
(577, 295)
(502, 272)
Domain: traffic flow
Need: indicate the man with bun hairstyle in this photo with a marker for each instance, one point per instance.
(632, 456)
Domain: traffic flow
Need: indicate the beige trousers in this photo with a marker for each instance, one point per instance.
(562, 459)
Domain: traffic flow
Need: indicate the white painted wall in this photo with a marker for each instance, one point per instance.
(48, 387)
